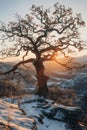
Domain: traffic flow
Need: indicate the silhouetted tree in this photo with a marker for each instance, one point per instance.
(45, 33)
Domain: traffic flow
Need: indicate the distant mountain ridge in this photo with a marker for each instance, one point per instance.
(50, 66)
(82, 59)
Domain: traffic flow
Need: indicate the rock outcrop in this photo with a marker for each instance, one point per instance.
(79, 84)
(12, 118)
(38, 113)
(46, 113)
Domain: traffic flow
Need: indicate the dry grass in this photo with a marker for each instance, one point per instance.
(4, 127)
(8, 89)
(59, 95)
(62, 96)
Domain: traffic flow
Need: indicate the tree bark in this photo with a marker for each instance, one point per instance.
(42, 89)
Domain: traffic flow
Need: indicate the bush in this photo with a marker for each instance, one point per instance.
(62, 96)
(8, 89)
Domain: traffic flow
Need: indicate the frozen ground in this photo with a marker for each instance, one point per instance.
(38, 113)
(13, 117)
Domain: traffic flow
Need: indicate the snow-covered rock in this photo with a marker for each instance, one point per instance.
(79, 84)
(49, 115)
(38, 113)
(13, 118)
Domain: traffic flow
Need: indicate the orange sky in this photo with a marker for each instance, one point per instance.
(19, 58)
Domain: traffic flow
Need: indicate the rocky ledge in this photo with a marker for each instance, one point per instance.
(38, 113)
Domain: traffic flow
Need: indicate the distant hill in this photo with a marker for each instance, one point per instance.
(82, 59)
(50, 66)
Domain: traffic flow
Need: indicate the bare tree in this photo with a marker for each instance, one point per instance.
(45, 33)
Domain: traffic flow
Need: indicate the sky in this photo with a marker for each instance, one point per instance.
(8, 9)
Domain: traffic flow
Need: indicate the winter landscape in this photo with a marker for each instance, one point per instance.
(43, 66)
(64, 108)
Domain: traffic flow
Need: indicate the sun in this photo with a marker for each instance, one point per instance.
(59, 55)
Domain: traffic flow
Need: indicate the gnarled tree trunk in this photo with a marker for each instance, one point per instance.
(42, 79)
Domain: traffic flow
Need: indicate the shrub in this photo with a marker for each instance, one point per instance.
(62, 96)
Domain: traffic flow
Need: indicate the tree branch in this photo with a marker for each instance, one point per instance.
(17, 65)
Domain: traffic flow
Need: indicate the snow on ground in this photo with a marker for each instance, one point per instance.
(49, 115)
(33, 109)
(79, 81)
(11, 115)
(38, 113)
(76, 82)
(51, 125)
